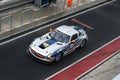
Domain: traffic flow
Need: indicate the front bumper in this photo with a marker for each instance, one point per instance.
(45, 59)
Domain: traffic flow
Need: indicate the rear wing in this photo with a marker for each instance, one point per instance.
(82, 24)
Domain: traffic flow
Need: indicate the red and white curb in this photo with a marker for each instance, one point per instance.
(89, 62)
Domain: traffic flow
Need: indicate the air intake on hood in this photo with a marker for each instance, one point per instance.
(44, 45)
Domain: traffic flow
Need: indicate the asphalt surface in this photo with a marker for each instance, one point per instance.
(16, 65)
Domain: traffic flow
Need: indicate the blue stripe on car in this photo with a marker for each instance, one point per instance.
(77, 28)
(60, 50)
(47, 43)
(51, 41)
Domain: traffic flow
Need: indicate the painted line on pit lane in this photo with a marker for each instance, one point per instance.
(49, 78)
(56, 22)
(97, 65)
(78, 78)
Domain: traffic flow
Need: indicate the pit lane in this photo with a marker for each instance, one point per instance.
(16, 65)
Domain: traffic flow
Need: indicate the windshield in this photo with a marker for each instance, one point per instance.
(59, 36)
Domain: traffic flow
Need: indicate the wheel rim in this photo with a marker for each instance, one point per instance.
(58, 57)
(83, 43)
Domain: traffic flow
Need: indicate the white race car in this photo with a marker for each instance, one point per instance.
(59, 42)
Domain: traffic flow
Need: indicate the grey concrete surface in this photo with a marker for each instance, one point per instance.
(29, 16)
(6, 4)
(106, 71)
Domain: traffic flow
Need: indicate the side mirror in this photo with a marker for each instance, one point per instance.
(73, 41)
(50, 29)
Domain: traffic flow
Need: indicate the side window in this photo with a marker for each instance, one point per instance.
(74, 37)
(80, 33)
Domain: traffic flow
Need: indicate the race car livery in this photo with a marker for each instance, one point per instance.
(57, 43)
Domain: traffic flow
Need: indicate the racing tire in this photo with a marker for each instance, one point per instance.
(58, 57)
(83, 43)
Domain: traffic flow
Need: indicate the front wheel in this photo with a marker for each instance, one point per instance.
(83, 43)
(58, 57)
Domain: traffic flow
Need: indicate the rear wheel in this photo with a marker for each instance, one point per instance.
(83, 43)
(58, 57)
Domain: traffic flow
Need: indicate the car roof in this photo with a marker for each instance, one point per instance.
(69, 30)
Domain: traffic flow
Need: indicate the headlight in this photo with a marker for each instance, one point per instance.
(49, 55)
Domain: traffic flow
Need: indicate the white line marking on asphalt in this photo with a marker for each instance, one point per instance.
(55, 22)
(84, 58)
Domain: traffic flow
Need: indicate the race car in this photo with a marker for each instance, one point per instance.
(59, 42)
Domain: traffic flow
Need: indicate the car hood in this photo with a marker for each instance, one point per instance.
(46, 46)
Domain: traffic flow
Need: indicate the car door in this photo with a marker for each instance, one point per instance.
(74, 41)
(72, 44)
